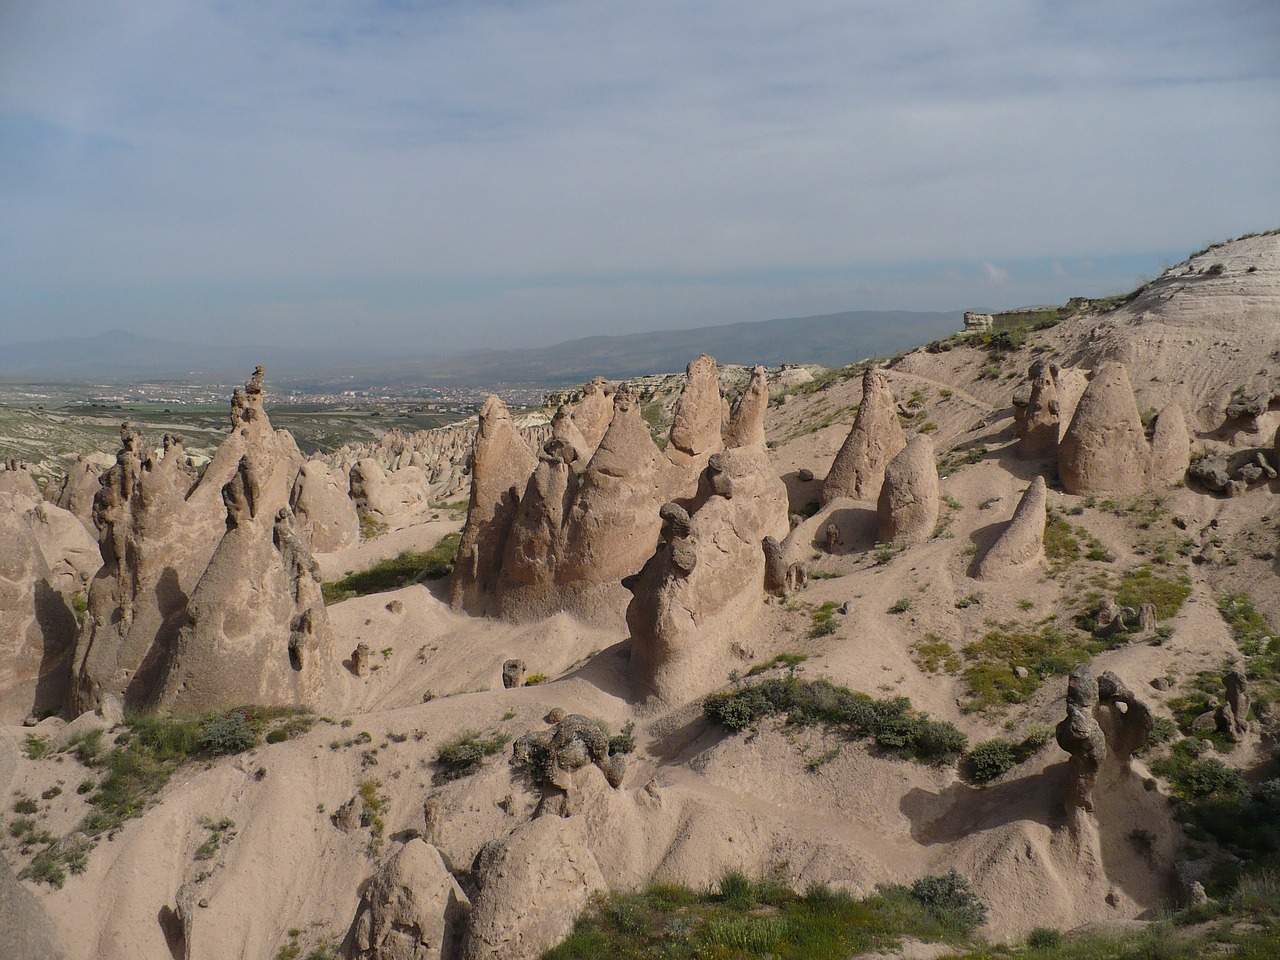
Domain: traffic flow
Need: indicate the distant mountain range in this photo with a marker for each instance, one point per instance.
(831, 340)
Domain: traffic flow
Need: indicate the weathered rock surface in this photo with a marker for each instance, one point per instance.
(256, 630)
(746, 422)
(158, 528)
(907, 511)
(531, 888)
(72, 555)
(552, 756)
(1022, 542)
(390, 498)
(1105, 448)
(412, 909)
(17, 477)
(37, 627)
(1038, 422)
(708, 571)
(501, 464)
(325, 513)
(1080, 735)
(876, 438)
(80, 486)
(1170, 447)
(696, 429)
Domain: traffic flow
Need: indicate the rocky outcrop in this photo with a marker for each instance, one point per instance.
(710, 570)
(16, 476)
(1105, 449)
(746, 421)
(412, 909)
(570, 533)
(80, 486)
(696, 428)
(390, 499)
(1170, 447)
(592, 414)
(256, 628)
(1080, 735)
(37, 627)
(907, 511)
(1037, 422)
(159, 525)
(326, 515)
(72, 555)
(1022, 542)
(876, 438)
(1232, 717)
(552, 757)
(531, 889)
(501, 464)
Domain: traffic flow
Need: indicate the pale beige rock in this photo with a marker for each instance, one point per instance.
(325, 513)
(257, 630)
(80, 486)
(566, 431)
(501, 465)
(390, 498)
(412, 908)
(72, 555)
(37, 628)
(708, 572)
(1105, 448)
(1170, 447)
(16, 476)
(593, 414)
(746, 421)
(907, 510)
(1022, 542)
(695, 429)
(876, 438)
(158, 528)
(532, 888)
(1038, 422)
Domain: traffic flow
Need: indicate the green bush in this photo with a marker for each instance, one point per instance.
(624, 741)
(891, 723)
(399, 571)
(231, 733)
(949, 898)
(462, 755)
(989, 760)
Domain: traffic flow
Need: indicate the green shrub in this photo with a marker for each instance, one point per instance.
(949, 898)
(891, 723)
(989, 760)
(1044, 938)
(396, 572)
(36, 747)
(231, 733)
(86, 745)
(624, 741)
(462, 755)
(25, 805)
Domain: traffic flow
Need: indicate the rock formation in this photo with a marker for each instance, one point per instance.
(531, 889)
(1080, 735)
(552, 757)
(1037, 422)
(500, 467)
(412, 909)
(256, 629)
(569, 533)
(80, 486)
(592, 414)
(158, 528)
(37, 627)
(709, 569)
(1170, 447)
(1022, 542)
(16, 476)
(390, 499)
(1105, 449)
(876, 438)
(907, 511)
(1232, 716)
(72, 555)
(326, 515)
(746, 422)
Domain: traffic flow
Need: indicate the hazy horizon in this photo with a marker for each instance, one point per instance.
(458, 177)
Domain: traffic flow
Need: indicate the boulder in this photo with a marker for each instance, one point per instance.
(1080, 735)
(393, 498)
(876, 438)
(72, 555)
(1105, 448)
(80, 486)
(1022, 542)
(16, 476)
(1170, 447)
(412, 909)
(907, 511)
(530, 890)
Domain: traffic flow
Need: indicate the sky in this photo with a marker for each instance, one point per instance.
(427, 177)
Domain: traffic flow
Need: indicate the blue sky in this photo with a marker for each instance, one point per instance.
(442, 176)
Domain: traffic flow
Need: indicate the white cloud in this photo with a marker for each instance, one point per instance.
(994, 273)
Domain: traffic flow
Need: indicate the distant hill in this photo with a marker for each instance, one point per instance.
(831, 340)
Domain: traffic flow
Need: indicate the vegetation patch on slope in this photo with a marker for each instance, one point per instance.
(409, 567)
(891, 722)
